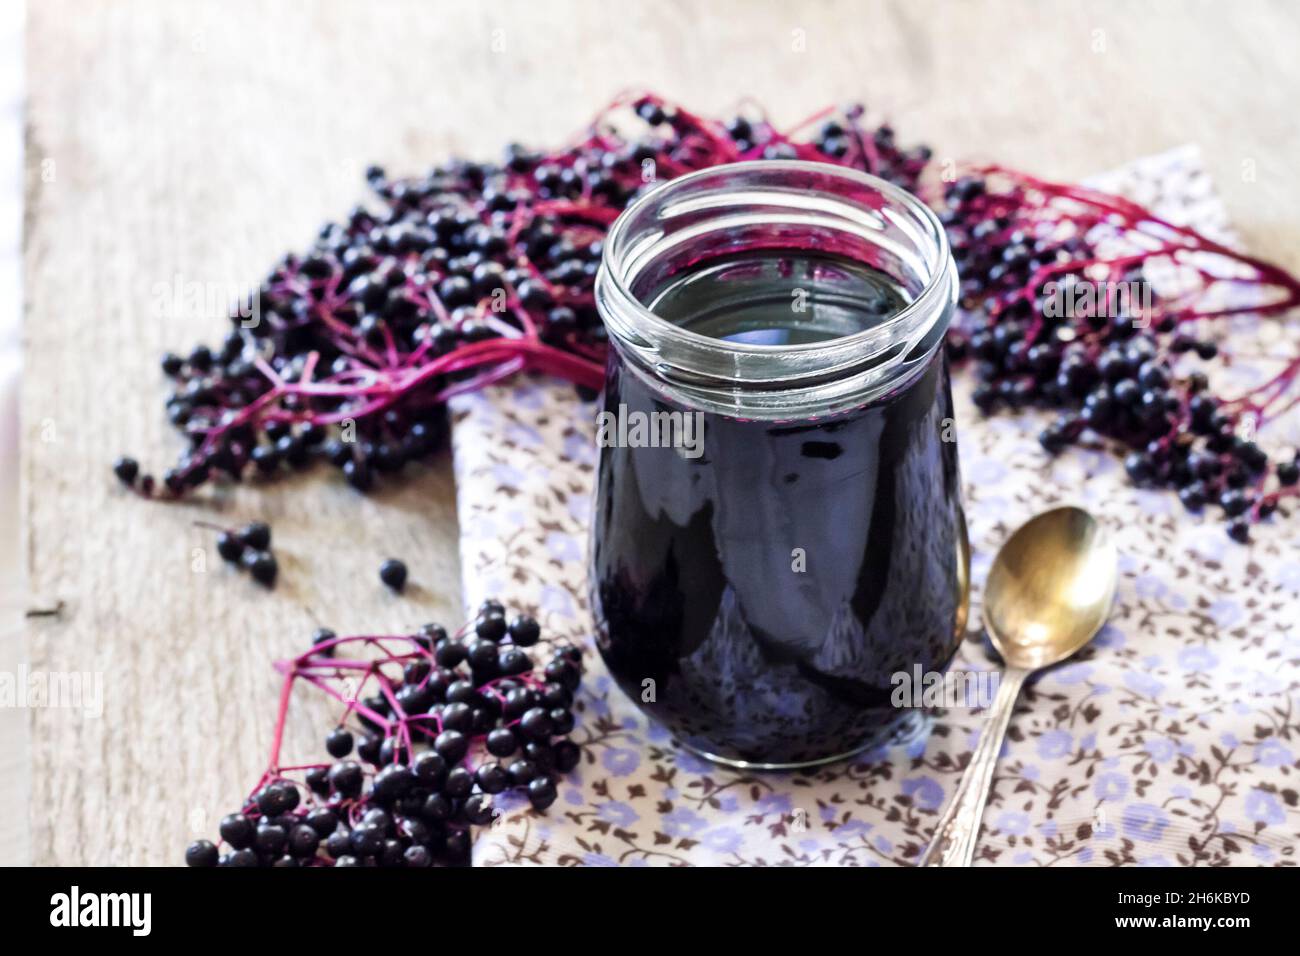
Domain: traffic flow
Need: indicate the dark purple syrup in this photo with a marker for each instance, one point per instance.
(703, 616)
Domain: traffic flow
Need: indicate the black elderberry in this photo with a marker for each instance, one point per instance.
(367, 839)
(277, 798)
(1152, 406)
(986, 397)
(317, 780)
(417, 856)
(323, 820)
(1221, 437)
(541, 792)
(518, 701)
(1252, 456)
(337, 453)
(339, 742)
(394, 750)
(478, 806)
(556, 695)
(339, 843)
(562, 721)
(229, 546)
(1153, 375)
(540, 753)
(201, 853)
(265, 458)
(242, 858)
(449, 652)
(430, 769)
(414, 699)
(1113, 366)
(458, 784)
(1234, 502)
(256, 535)
(457, 717)
(491, 607)
(437, 807)
(482, 655)
(292, 450)
(458, 845)
(1193, 496)
(1126, 393)
(126, 469)
(411, 826)
(521, 772)
(347, 778)
(393, 782)
(323, 635)
(524, 631)
(491, 778)
(358, 474)
(380, 818)
(490, 627)
(536, 723)
(1053, 439)
(262, 566)
(415, 672)
(502, 742)
(393, 573)
(1098, 409)
(303, 841)
(569, 652)
(513, 661)
(431, 635)
(439, 682)
(1236, 476)
(1139, 467)
(567, 755)
(451, 745)
(270, 838)
(1204, 464)
(462, 692)
(563, 672)
(200, 359)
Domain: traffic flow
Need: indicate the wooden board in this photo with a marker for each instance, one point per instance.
(172, 144)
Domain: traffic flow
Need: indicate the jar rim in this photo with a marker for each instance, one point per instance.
(710, 363)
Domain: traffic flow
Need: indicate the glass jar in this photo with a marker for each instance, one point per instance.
(778, 529)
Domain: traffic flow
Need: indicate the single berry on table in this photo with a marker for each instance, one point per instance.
(393, 573)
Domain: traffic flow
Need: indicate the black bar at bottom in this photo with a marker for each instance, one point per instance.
(924, 905)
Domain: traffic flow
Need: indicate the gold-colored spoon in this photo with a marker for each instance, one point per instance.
(1048, 592)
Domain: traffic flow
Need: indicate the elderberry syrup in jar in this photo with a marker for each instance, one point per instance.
(778, 528)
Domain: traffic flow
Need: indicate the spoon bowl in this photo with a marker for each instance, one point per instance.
(1050, 588)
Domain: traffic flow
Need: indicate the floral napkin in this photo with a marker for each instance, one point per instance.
(1173, 739)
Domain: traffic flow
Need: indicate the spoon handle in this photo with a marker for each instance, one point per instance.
(955, 836)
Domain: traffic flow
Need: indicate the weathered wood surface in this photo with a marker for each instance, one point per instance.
(174, 143)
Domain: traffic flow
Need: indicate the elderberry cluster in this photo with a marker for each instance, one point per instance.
(1110, 372)
(249, 549)
(347, 352)
(414, 766)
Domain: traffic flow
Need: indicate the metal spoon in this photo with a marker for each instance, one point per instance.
(1048, 592)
